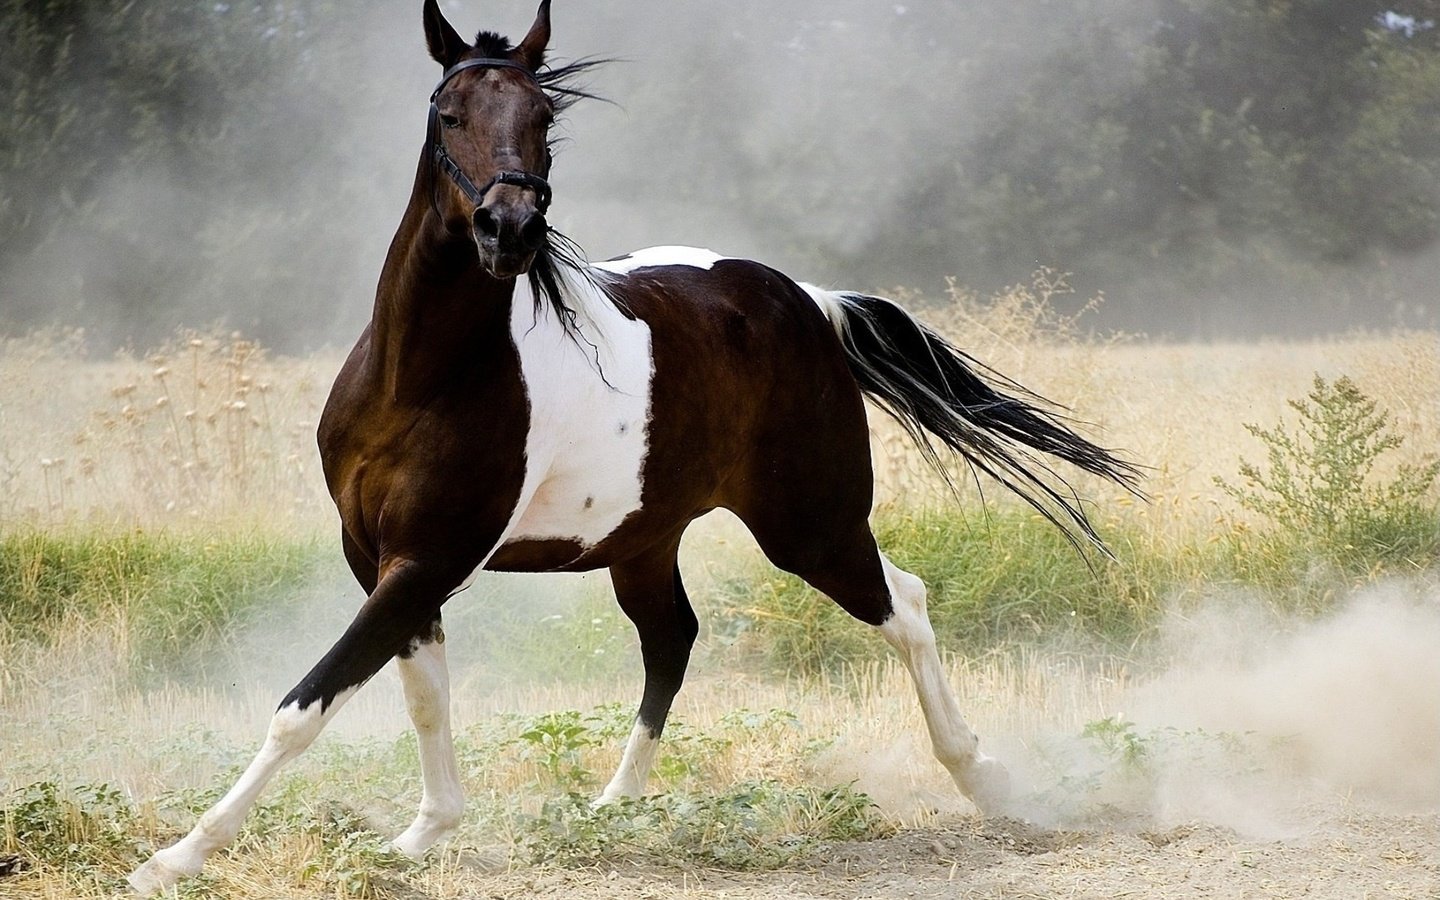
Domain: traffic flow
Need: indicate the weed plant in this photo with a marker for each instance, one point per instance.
(1323, 504)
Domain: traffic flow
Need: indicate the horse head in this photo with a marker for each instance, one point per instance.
(490, 117)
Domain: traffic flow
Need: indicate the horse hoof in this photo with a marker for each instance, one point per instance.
(987, 784)
(153, 876)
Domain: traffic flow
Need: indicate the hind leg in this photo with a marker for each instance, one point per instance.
(852, 572)
(980, 777)
(650, 593)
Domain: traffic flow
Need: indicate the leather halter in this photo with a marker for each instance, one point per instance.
(442, 161)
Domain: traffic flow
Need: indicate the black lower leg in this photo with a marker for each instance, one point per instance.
(404, 604)
(654, 599)
(666, 653)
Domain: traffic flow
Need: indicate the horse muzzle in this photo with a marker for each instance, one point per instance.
(508, 236)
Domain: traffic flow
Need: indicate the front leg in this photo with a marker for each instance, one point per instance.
(427, 698)
(408, 597)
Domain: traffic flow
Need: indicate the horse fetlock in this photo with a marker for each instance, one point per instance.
(437, 820)
(443, 814)
(986, 782)
(620, 787)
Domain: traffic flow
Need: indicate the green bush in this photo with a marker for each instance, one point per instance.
(1321, 497)
(754, 825)
(86, 828)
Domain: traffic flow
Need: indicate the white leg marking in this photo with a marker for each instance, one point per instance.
(427, 696)
(634, 771)
(291, 731)
(981, 778)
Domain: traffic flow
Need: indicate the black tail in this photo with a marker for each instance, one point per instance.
(934, 389)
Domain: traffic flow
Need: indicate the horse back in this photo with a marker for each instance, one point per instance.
(753, 401)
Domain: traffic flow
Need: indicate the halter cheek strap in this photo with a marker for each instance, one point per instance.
(442, 160)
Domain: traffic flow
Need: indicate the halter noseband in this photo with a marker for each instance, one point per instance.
(443, 162)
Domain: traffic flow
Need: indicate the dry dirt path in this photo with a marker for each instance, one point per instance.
(1361, 856)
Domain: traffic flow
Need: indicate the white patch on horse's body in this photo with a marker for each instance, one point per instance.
(830, 303)
(654, 257)
(589, 399)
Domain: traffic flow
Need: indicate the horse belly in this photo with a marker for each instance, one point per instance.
(583, 506)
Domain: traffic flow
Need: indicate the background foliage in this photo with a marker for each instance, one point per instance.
(180, 162)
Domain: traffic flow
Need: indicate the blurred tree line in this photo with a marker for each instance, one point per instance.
(158, 161)
(1163, 150)
(1214, 144)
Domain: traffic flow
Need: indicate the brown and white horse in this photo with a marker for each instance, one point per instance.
(509, 408)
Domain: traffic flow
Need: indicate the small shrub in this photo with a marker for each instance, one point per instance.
(1320, 495)
(1115, 772)
(555, 740)
(351, 859)
(754, 825)
(84, 828)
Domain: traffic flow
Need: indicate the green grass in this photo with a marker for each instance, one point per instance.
(1007, 579)
(176, 594)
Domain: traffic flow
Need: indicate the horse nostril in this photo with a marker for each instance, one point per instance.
(485, 223)
(532, 233)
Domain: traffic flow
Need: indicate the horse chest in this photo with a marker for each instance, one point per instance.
(589, 413)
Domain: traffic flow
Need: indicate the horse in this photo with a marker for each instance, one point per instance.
(511, 407)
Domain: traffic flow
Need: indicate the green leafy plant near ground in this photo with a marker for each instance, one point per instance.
(753, 825)
(1322, 499)
(1113, 770)
(86, 828)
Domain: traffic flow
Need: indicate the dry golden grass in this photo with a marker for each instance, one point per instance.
(211, 429)
(212, 433)
(207, 429)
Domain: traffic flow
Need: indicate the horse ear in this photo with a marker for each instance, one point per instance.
(446, 46)
(532, 49)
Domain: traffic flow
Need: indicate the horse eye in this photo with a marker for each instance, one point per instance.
(449, 121)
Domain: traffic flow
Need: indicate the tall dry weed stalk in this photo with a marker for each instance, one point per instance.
(206, 427)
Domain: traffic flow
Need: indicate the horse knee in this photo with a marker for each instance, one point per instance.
(293, 728)
(907, 627)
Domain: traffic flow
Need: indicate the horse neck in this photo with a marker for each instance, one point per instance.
(435, 305)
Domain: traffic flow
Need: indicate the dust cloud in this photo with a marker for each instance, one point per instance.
(1266, 727)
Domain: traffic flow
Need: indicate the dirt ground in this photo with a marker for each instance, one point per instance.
(1362, 856)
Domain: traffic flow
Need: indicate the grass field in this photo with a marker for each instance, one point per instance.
(168, 569)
